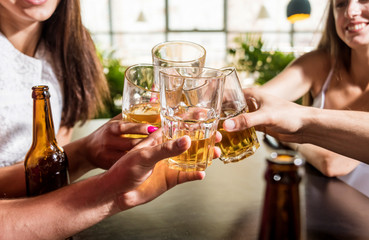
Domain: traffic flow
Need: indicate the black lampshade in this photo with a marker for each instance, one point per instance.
(298, 10)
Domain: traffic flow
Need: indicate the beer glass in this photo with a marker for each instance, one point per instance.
(178, 53)
(190, 100)
(141, 97)
(235, 146)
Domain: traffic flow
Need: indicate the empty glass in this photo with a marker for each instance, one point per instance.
(178, 53)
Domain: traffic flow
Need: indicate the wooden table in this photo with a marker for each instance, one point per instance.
(228, 203)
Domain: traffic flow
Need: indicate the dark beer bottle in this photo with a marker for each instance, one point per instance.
(46, 165)
(281, 211)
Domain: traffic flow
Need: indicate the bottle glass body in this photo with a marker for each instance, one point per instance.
(46, 164)
(281, 211)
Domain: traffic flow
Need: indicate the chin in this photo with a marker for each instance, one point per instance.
(357, 41)
(39, 15)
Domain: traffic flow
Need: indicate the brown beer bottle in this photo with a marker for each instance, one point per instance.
(46, 165)
(281, 211)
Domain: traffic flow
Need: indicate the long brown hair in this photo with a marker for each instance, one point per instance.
(332, 43)
(83, 82)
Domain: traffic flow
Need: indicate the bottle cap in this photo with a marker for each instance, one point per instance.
(40, 91)
(285, 157)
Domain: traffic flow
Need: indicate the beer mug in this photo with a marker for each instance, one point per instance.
(235, 146)
(190, 100)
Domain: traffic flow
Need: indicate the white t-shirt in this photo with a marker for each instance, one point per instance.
(18, 74)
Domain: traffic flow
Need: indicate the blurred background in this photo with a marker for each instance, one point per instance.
(254, 36)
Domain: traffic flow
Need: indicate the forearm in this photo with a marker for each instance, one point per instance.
(12, 181)
(77, 159)
(64, 135)
(58, 214)
(344, 132)
(327, 162)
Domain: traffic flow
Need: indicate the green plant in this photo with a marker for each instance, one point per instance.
(251, 57)
(114, 73)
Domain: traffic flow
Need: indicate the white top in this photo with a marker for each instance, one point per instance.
(357, 178)
(320, 98)
(18, 74)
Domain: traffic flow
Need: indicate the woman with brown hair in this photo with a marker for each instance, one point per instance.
(43, 42)
(335, 75)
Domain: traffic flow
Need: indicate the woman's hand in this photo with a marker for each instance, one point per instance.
(103, 147)
(107, 144)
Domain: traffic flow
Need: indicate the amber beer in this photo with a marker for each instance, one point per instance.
(143, 113)
(191, 101)
(281, 211)
(200, 153)
(236, 146)
(46, 165)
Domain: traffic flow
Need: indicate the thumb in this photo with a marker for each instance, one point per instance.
(149, 156)
(136, 166)
(243, 121)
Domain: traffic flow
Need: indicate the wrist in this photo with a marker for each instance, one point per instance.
(308, 123)
(78, 155)
(113, 191)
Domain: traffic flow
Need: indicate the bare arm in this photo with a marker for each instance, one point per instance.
(103, 147)
(303, 74)
(135, 178)
(12, 181)
(15, 174)
(64, 135)
(76, 206)
(344, 132)
(327, 162)
(308, 73)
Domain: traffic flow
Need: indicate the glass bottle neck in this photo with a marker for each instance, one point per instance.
(282, 174)
(43, 127)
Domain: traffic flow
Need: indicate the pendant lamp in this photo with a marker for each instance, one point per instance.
(298, 10)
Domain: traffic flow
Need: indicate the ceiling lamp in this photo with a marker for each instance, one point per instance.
(141, 17)
(298, 10)
(263, 13)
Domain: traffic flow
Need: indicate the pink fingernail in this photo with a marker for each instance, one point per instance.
(152, 129)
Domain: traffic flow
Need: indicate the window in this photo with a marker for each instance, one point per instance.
(132, 27)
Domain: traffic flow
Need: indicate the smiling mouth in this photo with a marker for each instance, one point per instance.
(356, 27)
(36, 2)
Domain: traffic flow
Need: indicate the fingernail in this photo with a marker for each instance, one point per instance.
(152, 129)
(229, 124)
(181, 142)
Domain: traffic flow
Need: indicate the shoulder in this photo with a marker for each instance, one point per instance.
(317, 59)
(315, 66)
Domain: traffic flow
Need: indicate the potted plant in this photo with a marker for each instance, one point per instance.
(250, 56)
